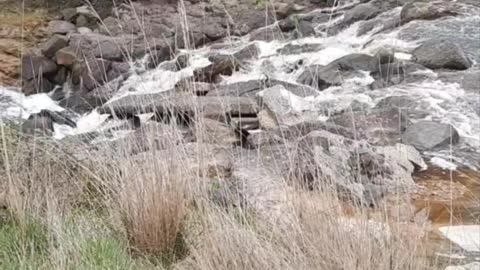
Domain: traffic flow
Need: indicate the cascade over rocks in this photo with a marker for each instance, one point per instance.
(322, 77)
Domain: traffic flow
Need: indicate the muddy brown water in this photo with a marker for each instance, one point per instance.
(449, 197)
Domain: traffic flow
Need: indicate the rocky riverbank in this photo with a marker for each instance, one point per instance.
(374, 99)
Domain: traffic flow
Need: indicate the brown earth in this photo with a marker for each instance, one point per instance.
(23, 26)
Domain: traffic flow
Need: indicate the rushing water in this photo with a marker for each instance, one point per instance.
(444, 102)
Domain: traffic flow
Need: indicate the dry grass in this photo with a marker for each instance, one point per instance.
(115, 207)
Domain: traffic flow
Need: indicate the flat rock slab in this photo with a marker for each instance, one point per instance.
(165, 102)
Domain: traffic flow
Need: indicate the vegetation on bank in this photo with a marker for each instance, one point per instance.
(86, 210)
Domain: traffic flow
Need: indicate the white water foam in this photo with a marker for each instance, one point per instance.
(466, 236)
(15, 105)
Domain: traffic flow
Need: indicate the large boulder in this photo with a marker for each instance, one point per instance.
(437, 54)
(428, 135)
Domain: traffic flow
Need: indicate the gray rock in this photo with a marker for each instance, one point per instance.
(37, 66)
(437, 54)
(427, 135)
(55, 43)
(61, 27)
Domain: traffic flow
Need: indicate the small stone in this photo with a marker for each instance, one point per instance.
(66, 56)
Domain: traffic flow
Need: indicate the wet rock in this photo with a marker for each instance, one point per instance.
(436, 54)
(322, 77)
(35, 86)
(428, 135)
(426, 11)
(61, 27)
(300, 48)
(55, 43)
(267, 34)
(37, 66)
